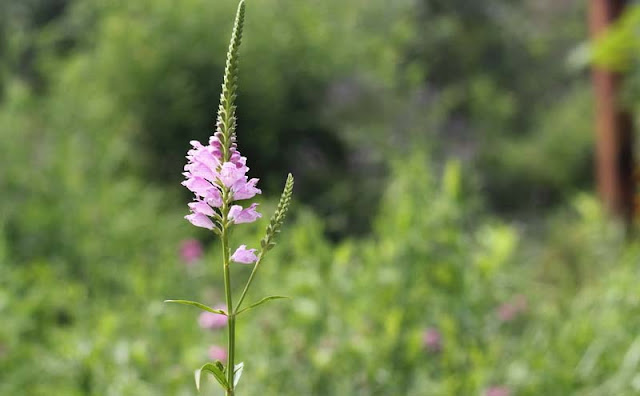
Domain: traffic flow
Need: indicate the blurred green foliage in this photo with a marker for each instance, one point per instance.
(407, 124)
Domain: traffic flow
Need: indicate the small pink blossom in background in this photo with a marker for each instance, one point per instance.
(210, 320)
(432, 340)
(508, 311)
(244, 255)
(217, 353)
(191, 251)
(497, 391)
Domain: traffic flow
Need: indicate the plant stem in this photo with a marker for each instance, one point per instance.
(246, 287)
(232, 318)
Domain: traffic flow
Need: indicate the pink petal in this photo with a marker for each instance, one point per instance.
(248, 215)
(230, 174)
(213, 197)
(197, 185)
(201, 207)
(244, 255)
(200, 220)
(244, 189)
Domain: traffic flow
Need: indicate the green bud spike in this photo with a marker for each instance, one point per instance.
(273, 229)
(226, 121)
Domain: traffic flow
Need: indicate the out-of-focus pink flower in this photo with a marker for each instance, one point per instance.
(497, 391)
(244, 255)
(212, 321)
(432, 340)
(508, 311)
(190, 250)
(217, 353)
(248, 215)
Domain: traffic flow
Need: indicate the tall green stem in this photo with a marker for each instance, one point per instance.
(232, 318)
(246, 287)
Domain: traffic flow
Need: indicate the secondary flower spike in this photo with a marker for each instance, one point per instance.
(211, 179)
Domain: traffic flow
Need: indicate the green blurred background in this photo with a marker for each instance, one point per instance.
(445, 238)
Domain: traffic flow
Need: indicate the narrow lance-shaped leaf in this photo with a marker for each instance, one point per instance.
(264, 300)
(197, 305)
(215, 371)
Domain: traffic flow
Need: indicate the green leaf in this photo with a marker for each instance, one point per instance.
(215, 371)
(237, 373)
(264, 300)
(198, 305)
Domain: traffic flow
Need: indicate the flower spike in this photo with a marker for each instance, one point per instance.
(226, 121)
(273, 229)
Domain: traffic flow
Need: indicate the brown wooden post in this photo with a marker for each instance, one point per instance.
(614, 148)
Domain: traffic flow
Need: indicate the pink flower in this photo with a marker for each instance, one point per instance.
(244, 255)
(204, 155)
(201, 207)
(197, 185)
(243, 189)
(432, 340)
(208, 178)
(190, 250)
(217, 353)
(200, 220)
(230, 173)
(210, 320)
(508, 311)
(216, 146)
(213, 197)
(248, 215)
(199, 169)
(497, 391)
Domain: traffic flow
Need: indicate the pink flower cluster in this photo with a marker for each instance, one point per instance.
(216, 183)
(208, 177)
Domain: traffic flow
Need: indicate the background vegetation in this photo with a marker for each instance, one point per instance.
(445, 239)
